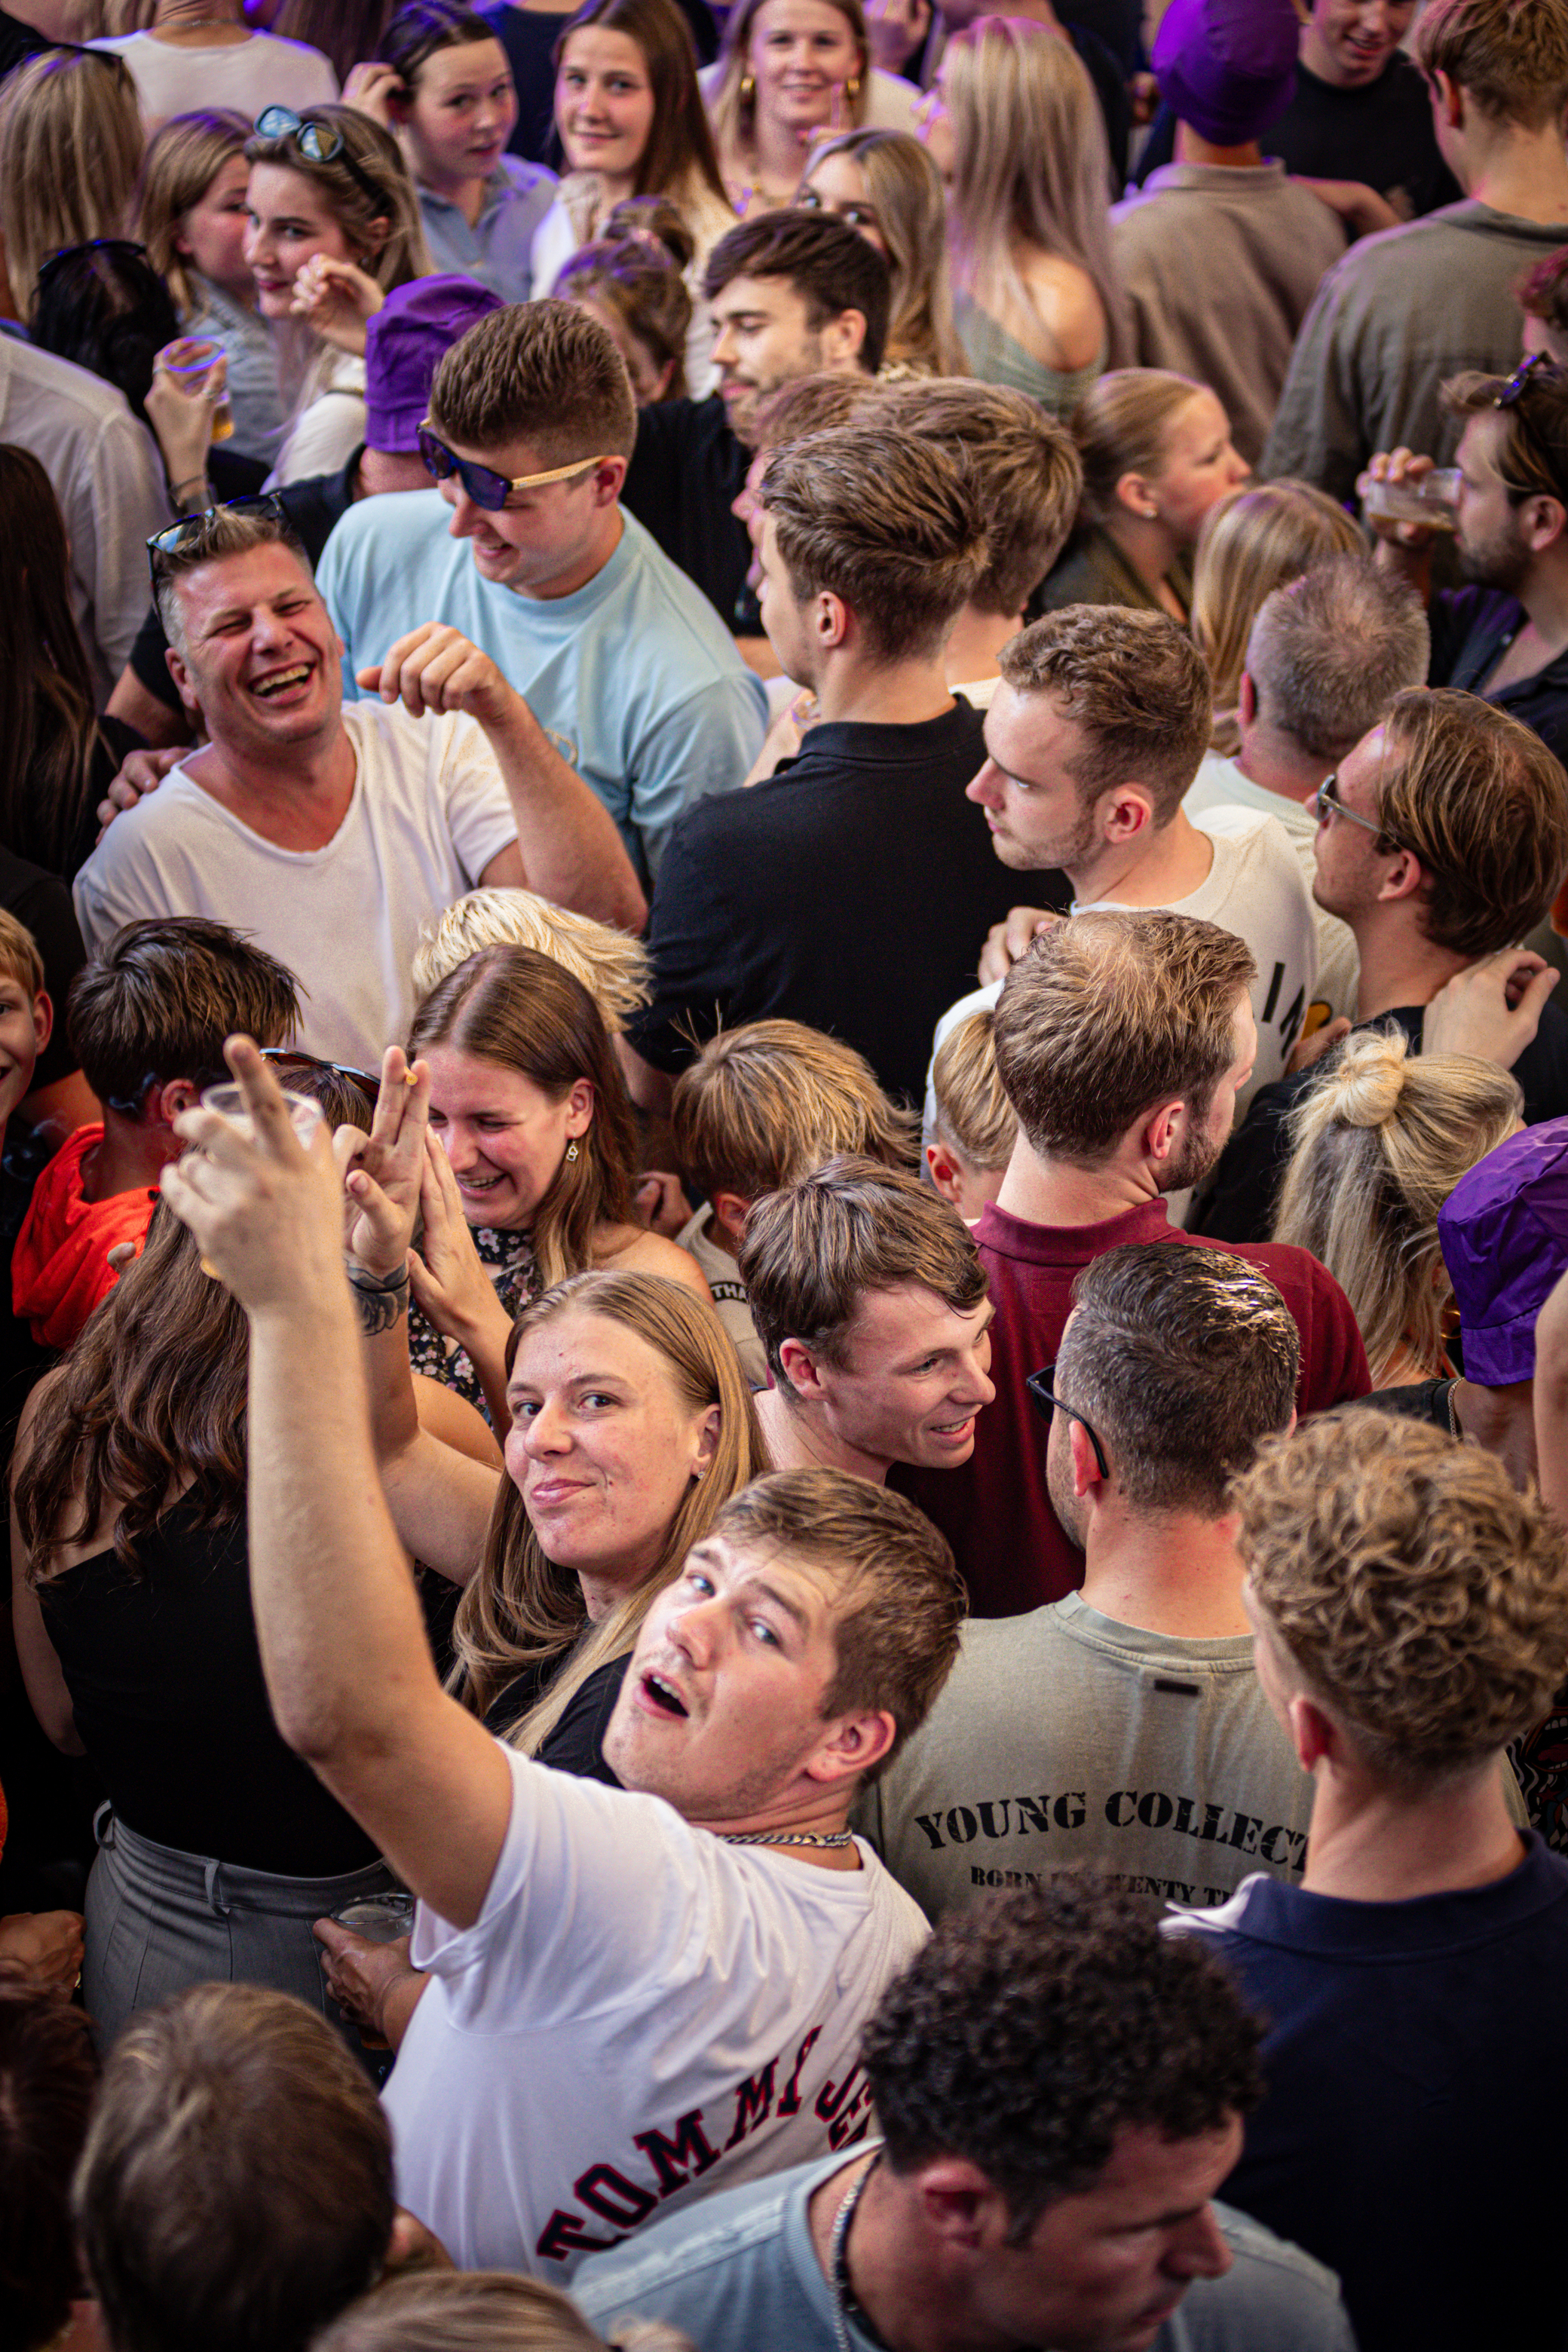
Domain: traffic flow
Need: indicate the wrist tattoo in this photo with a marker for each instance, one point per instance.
(380, 1300)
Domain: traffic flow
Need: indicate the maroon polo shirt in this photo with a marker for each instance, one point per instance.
(995, 1511)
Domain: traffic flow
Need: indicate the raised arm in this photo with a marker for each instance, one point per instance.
(343, 1641)
(571, 853)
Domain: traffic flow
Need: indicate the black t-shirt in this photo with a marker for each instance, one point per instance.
(687, 470)
(1381, 136)
(312, 506)
(576, 1744)
(852, 890)
(165, 1681)
(1470, 628)
(42, 903)
(1239, 1204)
(1416, 1401)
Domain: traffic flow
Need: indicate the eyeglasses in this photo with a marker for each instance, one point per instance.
(177, 535)
(486, 489)
(290, 1065)
(320, 142)
(1045, 1404)
(1326, 801)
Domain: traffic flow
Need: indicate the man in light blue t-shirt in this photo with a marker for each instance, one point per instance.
(621, 659)
(1060, 2089)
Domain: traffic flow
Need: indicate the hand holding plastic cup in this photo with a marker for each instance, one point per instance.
(1429, 500)
(191, 361)
(304, 1117)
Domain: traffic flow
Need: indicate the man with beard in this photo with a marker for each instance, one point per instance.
(1505, 636)
(1122, 1041)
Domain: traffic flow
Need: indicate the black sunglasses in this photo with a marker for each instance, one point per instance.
(289, 1063)
(319, 143)
(1045, 1403)
(177, 535)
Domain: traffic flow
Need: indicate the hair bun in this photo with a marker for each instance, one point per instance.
(653, 223)
(1367, 1077)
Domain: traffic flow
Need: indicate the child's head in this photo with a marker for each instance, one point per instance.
(148, 1013)
(613, 968)
(773, 1100)
(974, 1127)
(27, 1016)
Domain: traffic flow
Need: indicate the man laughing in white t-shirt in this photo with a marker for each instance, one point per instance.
(642, 1994)
(330, 834)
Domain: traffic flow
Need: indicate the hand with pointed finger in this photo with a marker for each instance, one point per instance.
(436, 668)
(267, 1214)
(383, 1171)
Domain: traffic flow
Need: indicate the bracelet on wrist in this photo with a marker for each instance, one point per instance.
(195, 482)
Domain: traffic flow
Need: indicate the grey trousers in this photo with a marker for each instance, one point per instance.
(158, 1920)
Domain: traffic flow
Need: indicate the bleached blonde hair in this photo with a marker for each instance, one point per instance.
(612, 967)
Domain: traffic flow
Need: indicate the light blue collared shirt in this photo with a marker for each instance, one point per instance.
(496, 249)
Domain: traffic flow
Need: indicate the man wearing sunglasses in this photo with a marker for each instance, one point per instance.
(1122, 1729)
(1402, 311)
(1442, 841)
(619, 658)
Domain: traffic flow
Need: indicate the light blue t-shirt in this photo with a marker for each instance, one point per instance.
(635, 678)
(739, 2272)
(495, 248)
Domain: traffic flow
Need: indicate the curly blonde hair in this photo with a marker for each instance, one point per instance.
(1414, 1591)
(614, 968)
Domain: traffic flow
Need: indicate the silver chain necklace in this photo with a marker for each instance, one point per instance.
(839, 2261)
(785, 1837)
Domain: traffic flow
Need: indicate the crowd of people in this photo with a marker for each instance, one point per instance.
(785, 1162)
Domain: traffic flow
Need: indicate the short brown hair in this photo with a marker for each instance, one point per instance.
(889, 522)
(235, 2189)
(1484, 805)
(1135, 687)
(1109, 1015)
(1027, 472)
(1511, 56)
(19, 953)
(482, 2311)
(974, 1115)
(811, 403)
(831, 265)
(896, 1630)
(540, 372)
(48, 2070)
(211, 539)
(1182, 1360)
(159, 998)
(1533, 462)
(773, 1100)
(814, 1247)
(1409, 1585)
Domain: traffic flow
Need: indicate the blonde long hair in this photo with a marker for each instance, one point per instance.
(70, 147)
(1031, 166)
(1253, 540)
(906, 193)
(733, 108)
(185, 156)
(520, 1609)
(1378, 1144)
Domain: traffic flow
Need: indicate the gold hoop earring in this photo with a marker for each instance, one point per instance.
(748, 88)
(852, 89)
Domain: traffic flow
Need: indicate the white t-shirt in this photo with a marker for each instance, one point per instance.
(327, 431)
(641, 2015)
(1219, 783)
(248, 75)
(430, 811)
(1254, 888)
(104, 468)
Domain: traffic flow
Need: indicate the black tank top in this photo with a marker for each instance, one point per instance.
(165, 1679)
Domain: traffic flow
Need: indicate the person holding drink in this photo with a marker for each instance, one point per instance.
(1503, 635)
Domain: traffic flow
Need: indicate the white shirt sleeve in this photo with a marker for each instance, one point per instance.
(115, 501)
(479, 809)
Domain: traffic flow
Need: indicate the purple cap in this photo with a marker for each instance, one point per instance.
(1228, 67)
(404, 344)
(1504, 1235)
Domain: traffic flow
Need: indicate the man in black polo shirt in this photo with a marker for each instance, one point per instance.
(793, 294)
(845, 890)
